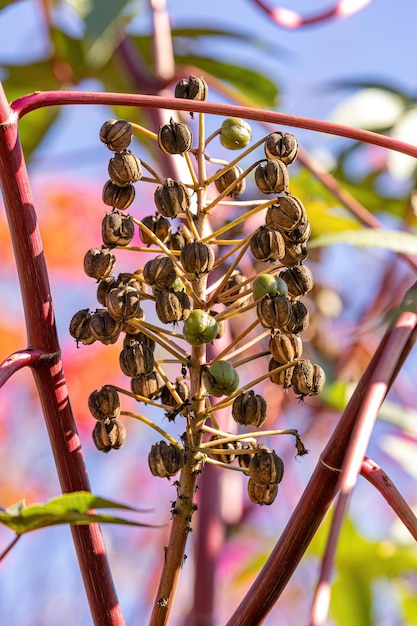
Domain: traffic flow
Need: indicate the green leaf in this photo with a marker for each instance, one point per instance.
(70, 508)
(392, 240)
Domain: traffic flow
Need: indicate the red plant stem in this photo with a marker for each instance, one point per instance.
(316, 499)
(379, 479)
(48, 372)
(34, 101)
(362, 430)
(285, 18)
(16, 361)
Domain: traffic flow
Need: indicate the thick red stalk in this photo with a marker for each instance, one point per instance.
(47, 369)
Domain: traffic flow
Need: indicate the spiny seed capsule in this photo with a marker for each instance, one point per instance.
(197, 258)
(109, 434)
(99, 262)
(199, 328)
(135, 360)
(220, 379)
(104, 327)
(159, 272)
(158, 225)
(249, 409)
(285, 347)
(104, 287)
(229, 179)
(230, 447)
(299, 280)
(300, 318)
(287, 213)
(267, 244)
(146, 385)
(308, 379)
(262, 494)
(281, 378)
(104, 403)
(116, 134)
(274, 312)
(123, 303)
(272, 177)
(172, 306)
(172, 198)
(294, 254)
(117, 229)
(118, 197)
(165, 459)
(182, 390)
(175, 137)
(125, 168)
(282, 146)
(266, 468)
(193, 88)
(138, 337)
(235, 133)
(80, 329)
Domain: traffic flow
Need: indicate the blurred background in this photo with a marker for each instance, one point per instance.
(359, 71)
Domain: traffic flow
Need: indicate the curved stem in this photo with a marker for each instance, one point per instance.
(16, 361)
(285, 18)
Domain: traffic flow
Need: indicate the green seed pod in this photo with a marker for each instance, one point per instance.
(200, 328)
(172, 198)
(274, 312)
(175, 137)
(193, 88)
(117, 229)
(99, 263)
(229, 178)
(136, 359)
(267, 244)
(308, 379)
(264, 284)
(104, 327)
(272, 177)
(197, 258)
(282, 378)
(266, 468)
(285, 347)
(146, 385)
(116, 134)
(125, 168)
(220, 379)
(172, 306)
(159, 272)
(165, 459)
(282, 146)
(262, 494)
(104, 403)
(80, 329)
(109, 434)
(249, 409)
(235, 133)
(118, 197)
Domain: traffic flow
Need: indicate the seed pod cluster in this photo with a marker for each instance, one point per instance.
(109, 432)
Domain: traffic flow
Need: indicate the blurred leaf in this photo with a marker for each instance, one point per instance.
(70, 508)
(393, 240)
(369, 108)
(352, 599)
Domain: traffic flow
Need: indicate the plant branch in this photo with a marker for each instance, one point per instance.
(16, 361)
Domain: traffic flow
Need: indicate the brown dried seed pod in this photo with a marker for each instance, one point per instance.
(99, 262)
(285, 347)
(159, 272)
(249, 409)
(125, 168)
(136, 359)
(172, 198)
(132, 339)
(104, 403)
(104, 327)
(229, 178)
(308, 378)
(274, 312)
(116, 134)
(197, 258)
(300, 318)
(172, 306)
(301, 234)
(267, 244)
(79, 327)
(146, 385)
(118, 197)
(244, 459)
(182, 389)
(193, 88)
(160, 226)
(266, 468)
(282, 146)
(117, 229)
(165, 459)
(230, 447)
(294, 254)
(175, 137)
(109, 434)
(272, 177)
(123, 303)
(299, 280)
(262, 494)
(282, 378)
(235, 286)
(287, 213)
(104, 287)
